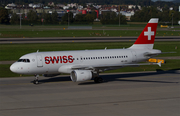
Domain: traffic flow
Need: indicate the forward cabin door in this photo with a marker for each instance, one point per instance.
(39, 60)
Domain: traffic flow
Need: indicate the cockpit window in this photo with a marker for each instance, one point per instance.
(23, 60)
(28, 60)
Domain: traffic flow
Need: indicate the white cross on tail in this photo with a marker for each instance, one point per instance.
(149, 33)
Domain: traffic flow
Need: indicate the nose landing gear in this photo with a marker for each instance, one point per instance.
(36, 80)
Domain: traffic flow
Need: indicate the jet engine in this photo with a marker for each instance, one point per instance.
(81, 75)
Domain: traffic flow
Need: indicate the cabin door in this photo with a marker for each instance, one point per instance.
(39, 60)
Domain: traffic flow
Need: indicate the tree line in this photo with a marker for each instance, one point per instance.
(46, 18)
(33, 18)
(4, 16)
(88, 18)
(102, 2)
(112, 18)
(164, 16)
(68, 18)
(105, 18)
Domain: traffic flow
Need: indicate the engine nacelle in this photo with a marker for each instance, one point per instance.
(81, 75)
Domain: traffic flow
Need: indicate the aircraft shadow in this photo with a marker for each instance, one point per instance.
(54, 79)
(122, 77)
(115, 77)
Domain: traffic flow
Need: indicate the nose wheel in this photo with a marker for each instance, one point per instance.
(36, 80)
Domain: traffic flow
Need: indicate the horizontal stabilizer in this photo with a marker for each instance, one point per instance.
(167, 52)
(151, 54)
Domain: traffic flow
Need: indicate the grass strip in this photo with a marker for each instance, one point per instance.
(10, 52)
(78, 33)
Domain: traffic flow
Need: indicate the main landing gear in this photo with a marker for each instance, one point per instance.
(98, 80)
(36, 80)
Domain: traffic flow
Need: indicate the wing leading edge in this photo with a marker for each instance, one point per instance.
(112, 66)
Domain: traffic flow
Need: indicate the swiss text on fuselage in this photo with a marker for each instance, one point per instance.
(58, 59)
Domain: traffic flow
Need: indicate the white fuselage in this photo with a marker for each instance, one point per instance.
(62, 61)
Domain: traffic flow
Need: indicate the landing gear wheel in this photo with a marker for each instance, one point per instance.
(36, 82)
(98, 80)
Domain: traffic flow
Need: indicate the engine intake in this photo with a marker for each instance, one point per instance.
(81, 75)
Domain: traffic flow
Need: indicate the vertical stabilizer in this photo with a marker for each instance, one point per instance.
(147, 36)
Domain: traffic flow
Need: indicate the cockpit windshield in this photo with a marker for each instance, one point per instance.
(24, 60)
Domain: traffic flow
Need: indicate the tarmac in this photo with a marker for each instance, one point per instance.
(121, 94)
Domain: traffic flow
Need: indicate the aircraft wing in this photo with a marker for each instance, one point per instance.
(92, 67)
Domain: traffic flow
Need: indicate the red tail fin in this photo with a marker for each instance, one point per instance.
(147, 36)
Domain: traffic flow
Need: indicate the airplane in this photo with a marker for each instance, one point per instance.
(83, 65)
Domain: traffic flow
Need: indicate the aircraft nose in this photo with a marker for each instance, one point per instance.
(13, 68)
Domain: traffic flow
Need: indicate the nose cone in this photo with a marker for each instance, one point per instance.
(13, 68)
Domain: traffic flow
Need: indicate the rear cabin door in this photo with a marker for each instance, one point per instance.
(133, 56)
(39, 60)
